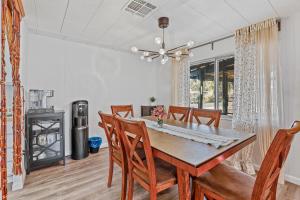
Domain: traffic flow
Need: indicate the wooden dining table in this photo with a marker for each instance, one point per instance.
(191, 158)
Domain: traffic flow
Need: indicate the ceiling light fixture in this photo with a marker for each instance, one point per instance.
(163, 53)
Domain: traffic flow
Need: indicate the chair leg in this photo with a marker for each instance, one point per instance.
(198, 193)
(130, 186)
(201, 193)
(110, 172)
(124, 184)
(153, 194)
(210, 195)
(193, 191)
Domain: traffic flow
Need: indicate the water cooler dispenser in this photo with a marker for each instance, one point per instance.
(80, 130)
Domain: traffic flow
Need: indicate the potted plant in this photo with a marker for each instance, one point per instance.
(159, 114)
(152, 101)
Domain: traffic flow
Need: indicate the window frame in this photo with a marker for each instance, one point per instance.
(216, 61)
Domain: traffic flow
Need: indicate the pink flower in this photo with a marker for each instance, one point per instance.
(158, 112)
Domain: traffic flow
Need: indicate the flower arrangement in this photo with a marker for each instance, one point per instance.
(159, 114)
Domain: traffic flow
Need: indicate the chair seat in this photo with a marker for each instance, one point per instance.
(227, 182)
(165, 173)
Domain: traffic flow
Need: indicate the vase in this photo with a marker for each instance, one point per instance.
(160, 123)
(152, 103)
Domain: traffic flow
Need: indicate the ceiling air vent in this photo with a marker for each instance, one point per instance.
(139, 7)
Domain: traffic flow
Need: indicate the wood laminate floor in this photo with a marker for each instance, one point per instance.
(86, 180)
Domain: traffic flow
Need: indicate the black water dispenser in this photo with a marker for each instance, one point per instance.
(80, 130)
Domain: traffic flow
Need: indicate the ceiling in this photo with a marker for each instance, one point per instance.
(106, 24)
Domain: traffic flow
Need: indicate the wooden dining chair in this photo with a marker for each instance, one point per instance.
(116, 150)
(122, 110)
(212, 115)
(224, 182)
(178, 113)
(153, 175)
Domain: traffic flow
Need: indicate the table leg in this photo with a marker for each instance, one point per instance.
(184, 189)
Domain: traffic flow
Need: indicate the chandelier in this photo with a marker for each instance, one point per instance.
(164, 54)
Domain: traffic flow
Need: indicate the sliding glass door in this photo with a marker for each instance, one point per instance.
(204, 78)
(225, 85)
(203, 85)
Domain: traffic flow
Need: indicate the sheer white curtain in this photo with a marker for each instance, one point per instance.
(257, 87)
(181, 82)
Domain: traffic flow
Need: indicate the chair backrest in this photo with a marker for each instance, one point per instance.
(213, 115)
(125, 109)
(132, 133)
(115, 145)
(178, 113)
(267, 177)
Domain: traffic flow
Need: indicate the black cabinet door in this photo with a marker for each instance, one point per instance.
(45, 139)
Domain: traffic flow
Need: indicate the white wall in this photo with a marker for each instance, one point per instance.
(290, 62)
(77, 71)
(164, 80)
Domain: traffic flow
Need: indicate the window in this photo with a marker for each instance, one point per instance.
(204, 78)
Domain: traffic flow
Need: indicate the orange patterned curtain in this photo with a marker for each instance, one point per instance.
(3, 105)
(14, 49)
(12, 13)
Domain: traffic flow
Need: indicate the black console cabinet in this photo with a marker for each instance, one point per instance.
(45, 140)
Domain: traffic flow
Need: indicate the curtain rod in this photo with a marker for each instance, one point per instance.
(212, 42)
(226, 37)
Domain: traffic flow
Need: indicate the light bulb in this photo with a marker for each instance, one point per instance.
(162, 51)
(178, 53)
(157, 40)
(142, 57)
(178, 58)
(191, 54)
(134, 49)
(190, 43)
(149, 59)
(164, 60)
(146, 53)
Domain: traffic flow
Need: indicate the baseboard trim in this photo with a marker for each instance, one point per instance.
(288, 178)
(104, 145)
(292, 179)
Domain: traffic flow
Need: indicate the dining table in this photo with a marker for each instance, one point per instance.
(192, 158)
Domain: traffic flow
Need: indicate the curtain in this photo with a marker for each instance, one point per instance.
(11, 15)
(3, 144)
(14, 49)
(257, 87)
(181, 82)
